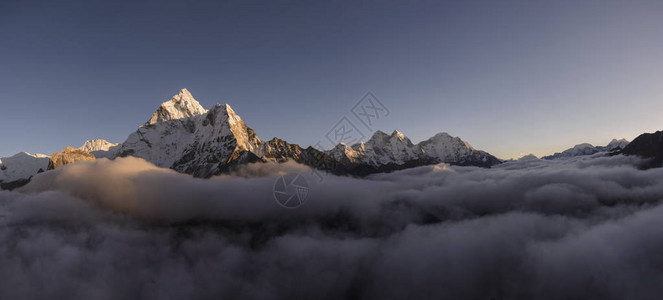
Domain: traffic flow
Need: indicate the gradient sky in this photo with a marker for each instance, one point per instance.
(510, 77)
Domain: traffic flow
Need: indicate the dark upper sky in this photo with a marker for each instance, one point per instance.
(510, 77)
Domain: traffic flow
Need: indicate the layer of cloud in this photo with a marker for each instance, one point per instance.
(583, 228)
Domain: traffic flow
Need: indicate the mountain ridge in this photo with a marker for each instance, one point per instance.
(16, 170)
(209, 142)
(182, 135)
(589, 149)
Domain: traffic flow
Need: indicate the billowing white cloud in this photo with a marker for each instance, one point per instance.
(589, 227)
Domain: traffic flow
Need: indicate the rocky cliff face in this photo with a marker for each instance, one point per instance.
(68, 156)
(219, 139)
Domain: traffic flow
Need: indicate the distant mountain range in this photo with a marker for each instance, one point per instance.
(589, 149)
(185, 137)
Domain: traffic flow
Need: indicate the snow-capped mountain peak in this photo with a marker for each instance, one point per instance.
(382, 149)
(377, 137)
(381, 139)
(345, 154)
(180, 106)
(445, 146)
(360, 147)
(617, 144)
(398, 135)
(445, 138)
(232, 116)
(22, 166)
(583, 146)
(230, 123)
(97, 145)
(195, 141)
(527, 157)
(100, 148)
(589, 149)
(580, 149)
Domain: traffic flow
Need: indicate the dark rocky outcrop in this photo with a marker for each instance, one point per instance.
(647, 145)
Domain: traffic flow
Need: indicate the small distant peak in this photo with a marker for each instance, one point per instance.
(379, 134)
(444, 138)
(21, 154)
(442, 134)
(526, 157)
(97, 145)
(379, 137)
(583, 145)
(438, 138)
(617, 144)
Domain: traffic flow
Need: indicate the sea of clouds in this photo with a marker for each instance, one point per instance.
(583, 228)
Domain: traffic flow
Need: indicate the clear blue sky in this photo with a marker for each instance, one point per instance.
(510, 77)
